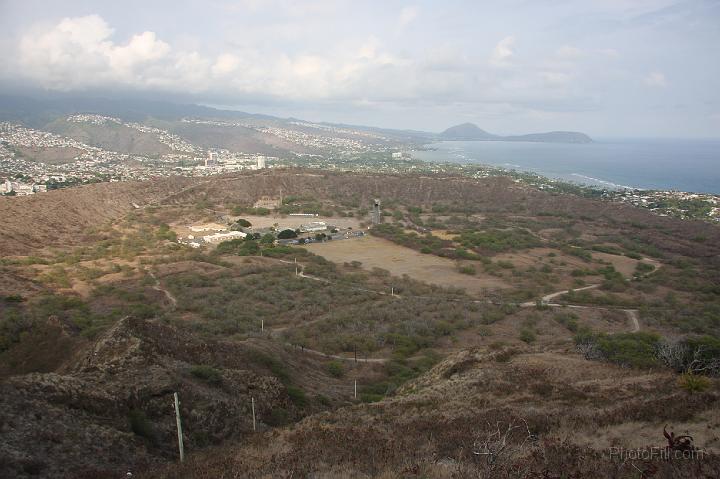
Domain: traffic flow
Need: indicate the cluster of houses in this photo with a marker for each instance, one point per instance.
(21, 189)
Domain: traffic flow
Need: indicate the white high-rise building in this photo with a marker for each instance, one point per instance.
(261, 162)
(210, 160)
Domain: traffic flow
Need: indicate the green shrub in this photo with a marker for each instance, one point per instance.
(527, 335)
(468, 269)
(692, 383)
(297, 396)
(207, 373)
(278, 417)
(569, 320)
(335, 369)
(141, 425)
(626, 349)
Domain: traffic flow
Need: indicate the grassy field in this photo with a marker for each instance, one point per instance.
(375, 252)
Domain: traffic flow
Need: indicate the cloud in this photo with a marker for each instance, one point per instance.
(656, 79)
(84, 53)
(407, 16)
(567, 52)
(79, 53)
(503, 51)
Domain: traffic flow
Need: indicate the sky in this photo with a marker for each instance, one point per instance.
(609, 68)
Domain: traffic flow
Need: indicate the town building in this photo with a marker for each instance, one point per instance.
(313, 226)
(220, 237)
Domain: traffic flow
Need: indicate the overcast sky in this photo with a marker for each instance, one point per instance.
(625, 68)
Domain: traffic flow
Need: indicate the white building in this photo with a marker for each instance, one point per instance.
(207, 227)
(261, 162)
(313, 226)
(220, 237)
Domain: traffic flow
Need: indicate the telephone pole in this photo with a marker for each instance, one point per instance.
(252, 401)
(179, 428)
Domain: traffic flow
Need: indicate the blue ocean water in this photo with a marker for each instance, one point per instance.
(684, 165)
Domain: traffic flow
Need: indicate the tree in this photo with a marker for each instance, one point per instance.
(287, 234)
(244, 223)
(267, 238)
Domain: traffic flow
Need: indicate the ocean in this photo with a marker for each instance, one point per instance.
(683, 165)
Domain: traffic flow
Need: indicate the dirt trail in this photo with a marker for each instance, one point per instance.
(633, 317)
(158, 287)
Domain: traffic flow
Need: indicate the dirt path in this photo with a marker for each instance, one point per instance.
(633, 317)
(546, 299)
(158, 287)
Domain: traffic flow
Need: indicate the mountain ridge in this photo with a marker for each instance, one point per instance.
(471, 132)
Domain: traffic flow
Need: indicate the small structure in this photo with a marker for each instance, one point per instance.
(376, 215)
(220, 237)
(313, 226)
(207, 227)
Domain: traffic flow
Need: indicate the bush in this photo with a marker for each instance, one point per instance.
(297, 396)
(569, 320)
(207, 373)
(243, 223)
(335, 369)
(693, 383)
(287, 234)
(278, 417)
(527, 335)
(141, 425)
(625, 349)
(468, 269)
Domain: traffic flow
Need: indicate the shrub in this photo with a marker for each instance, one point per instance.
(297, 396)
(625, 349)
(569, 320)
(644, 268)
(141, 425)
(335, 369)
(278, 417)
(287, 234)
(468, 269)
(207, 373)
(527, 335)
(693, 383)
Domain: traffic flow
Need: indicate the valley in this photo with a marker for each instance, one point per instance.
(473, 305)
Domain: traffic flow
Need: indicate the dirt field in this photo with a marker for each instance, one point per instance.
(624, 265)
(379, 253)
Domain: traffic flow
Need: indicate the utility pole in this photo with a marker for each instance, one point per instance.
(356, 389)
(252, 402)
(262, 325)
(392, 291)
(179, 428)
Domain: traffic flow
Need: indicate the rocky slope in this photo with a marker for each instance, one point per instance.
(110, 409)
(500, 414)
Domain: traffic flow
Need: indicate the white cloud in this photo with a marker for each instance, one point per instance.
(84, 53)
(225, 64)
(567, 52)
(503, 51)
(407, 16)
(656, 79)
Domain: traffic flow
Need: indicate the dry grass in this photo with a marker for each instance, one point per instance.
(375, 252)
